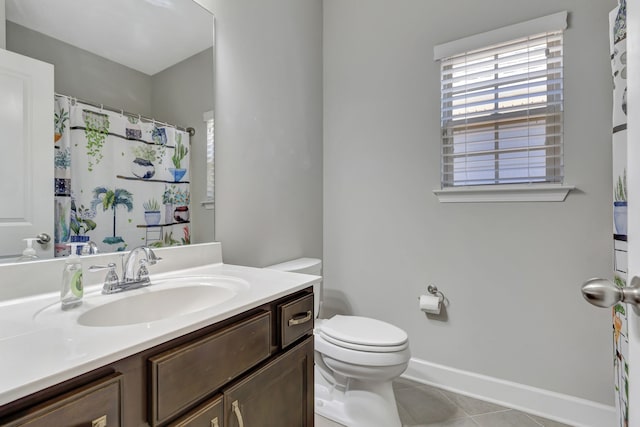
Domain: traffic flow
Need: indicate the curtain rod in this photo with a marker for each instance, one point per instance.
(189, 130)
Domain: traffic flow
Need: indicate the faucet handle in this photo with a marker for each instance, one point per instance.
(96, 268)
(143, 271)
(152, 257)
(111, 280)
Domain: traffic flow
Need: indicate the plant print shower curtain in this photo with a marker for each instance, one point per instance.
(120, 182)
(618, 46)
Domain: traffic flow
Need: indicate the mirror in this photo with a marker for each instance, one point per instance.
(151, 58)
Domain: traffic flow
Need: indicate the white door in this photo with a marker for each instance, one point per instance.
(625, 294)
(26, 153)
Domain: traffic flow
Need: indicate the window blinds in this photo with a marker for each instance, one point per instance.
(501, 113)
(208, 119)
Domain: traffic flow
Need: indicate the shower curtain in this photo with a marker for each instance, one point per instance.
(120, 181)
(618, 47)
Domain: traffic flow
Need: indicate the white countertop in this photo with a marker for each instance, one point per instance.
(41, 345)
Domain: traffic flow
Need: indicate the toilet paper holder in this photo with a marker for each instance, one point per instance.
(433, 290)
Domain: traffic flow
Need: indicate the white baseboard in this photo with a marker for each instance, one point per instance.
(548, 404)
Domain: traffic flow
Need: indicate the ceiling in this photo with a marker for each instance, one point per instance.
(146, 35)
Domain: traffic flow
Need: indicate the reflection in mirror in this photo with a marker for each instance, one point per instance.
(152, 58)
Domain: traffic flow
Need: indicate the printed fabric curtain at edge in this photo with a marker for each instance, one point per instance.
(120, 181)
(618, 47)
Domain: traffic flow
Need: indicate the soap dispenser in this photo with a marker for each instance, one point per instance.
(72, 290)
(29, 254)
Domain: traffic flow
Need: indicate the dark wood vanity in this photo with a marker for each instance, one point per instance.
(254, 369)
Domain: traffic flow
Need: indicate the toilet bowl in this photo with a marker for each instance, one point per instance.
(356, 360)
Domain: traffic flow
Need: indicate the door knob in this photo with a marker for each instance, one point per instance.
(43, 238)
(603, 293)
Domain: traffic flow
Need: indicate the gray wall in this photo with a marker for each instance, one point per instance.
(512, 271)
(181, 94)
(268, 112)
(77, 71)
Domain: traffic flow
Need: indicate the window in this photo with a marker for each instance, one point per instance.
(209, 201)
(502, 106)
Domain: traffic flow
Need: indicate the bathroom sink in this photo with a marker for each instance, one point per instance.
(162, 300)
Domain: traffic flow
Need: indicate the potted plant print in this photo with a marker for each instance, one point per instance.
(96, 131)
(620, 205)
(81, 222)
(181, 199)
(179, 153)
(59, 121)
(143, 167)
(112, 199)
(168, 198)
(132, 129)
(151, 212)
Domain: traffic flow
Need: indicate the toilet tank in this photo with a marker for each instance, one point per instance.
(305, 266)
(300, 265)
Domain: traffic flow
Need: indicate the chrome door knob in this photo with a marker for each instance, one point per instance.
(43, 238)
(603, 293)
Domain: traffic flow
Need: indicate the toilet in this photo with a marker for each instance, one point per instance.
(356, 360)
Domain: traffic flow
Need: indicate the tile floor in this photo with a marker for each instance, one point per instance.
(421, 405)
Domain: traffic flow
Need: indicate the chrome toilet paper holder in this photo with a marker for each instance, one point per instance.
(433, 290)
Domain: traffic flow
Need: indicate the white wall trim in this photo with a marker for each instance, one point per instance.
(548, 404)
(504, 193)
(555, 22)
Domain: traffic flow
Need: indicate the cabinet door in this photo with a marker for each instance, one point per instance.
(280, 394)
(209, 414)
(26, 160)
(98, 403)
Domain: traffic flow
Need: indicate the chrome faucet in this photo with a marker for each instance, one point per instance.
(134, 269)
(135, 273)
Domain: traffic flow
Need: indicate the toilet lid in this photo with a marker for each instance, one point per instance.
(363, 333)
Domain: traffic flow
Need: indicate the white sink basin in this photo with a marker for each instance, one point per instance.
(163, 299)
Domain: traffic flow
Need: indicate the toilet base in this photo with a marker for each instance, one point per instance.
(361, 404)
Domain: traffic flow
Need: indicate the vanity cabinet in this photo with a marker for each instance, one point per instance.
(254, 369)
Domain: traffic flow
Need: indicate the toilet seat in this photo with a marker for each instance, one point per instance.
(363, 334)
(360, 358)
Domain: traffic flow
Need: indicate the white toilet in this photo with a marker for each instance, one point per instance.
(356, 360)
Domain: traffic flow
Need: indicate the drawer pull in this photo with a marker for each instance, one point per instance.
(214, 422)
(236, 411)
(300, 318)
(99, 422)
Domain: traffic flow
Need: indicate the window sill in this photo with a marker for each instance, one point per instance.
(505, 193)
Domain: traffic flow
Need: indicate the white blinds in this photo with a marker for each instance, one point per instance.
(502, 113)
(208, 119)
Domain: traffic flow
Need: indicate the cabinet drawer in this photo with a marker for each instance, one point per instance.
(186, 374)
(209, 414)
(80, 407)
(296, 319)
